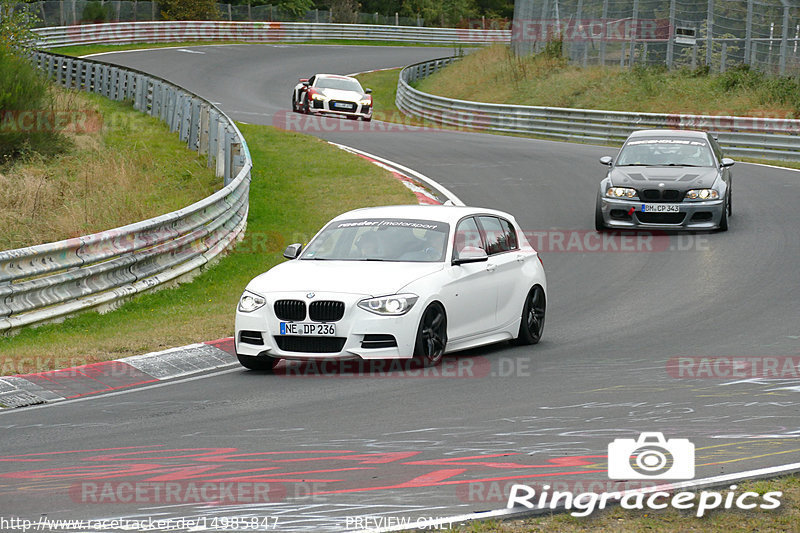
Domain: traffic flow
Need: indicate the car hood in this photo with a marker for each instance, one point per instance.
(338, 94)
(681, 178)
(371, 278)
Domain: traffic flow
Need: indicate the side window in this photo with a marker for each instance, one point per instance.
(498, 238)
(717, 150)
(511, 234)
(467, 236)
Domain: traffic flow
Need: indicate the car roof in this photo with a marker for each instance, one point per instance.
(335, 76)
(440, 213)
(668, 134)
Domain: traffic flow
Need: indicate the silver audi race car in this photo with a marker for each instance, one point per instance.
(334, 95)
(666, 179)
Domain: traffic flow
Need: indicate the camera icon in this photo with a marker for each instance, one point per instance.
(651, 457)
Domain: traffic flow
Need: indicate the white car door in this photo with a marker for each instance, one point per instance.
(470, 292)
(505, 265)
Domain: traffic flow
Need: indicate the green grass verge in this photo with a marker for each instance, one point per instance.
(82, 50)
(784, 519)
(299, 183)
(496, 75)
(119, 167)
(384, 93)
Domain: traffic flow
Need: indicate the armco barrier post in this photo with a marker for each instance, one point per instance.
(107, 82)
(237, 158)
(118, 89)
(97, 79)
(84, 83)
(202, 147)
(130, 84)
(169, 115)
(158, 95)
(220, 159)
(69, 80)
(213, 136)
(186, 118)
(226, 157)
(194, 126)
(139, 94)
(60, 71)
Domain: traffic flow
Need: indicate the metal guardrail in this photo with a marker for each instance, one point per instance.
(50, 281)
(176, 31)
(767, 138)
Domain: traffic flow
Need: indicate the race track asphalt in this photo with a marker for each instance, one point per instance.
(346, 446)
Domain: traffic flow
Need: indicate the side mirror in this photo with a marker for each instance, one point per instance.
(292, 251)
(607, 160)
(727, 162)
(470, 254)
(368, 91)
(305, 83)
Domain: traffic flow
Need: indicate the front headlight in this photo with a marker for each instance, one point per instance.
(702, 194)
(395, 305)
(366, 101)
(317, 96)
(250, 301)
(621, 192)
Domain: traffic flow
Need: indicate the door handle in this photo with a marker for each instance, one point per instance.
(490, 267)
(520, 257)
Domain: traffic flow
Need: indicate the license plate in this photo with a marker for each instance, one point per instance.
(340, 105)
(661, 208)
(308, 330)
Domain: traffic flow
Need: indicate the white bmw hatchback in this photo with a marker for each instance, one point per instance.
(395, 282)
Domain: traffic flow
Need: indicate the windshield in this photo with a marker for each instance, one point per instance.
(418, 241)
(339, 83)
(666, 152)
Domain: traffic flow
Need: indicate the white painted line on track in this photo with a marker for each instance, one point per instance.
(769, 166)
(371, 71)
(127, 391)
(423, 178)
(154, 48)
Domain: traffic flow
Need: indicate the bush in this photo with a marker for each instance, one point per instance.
(554, 48)
(783, 91)
(96, 12)
(15, 27)
(738, 77)
(189, 9)
(23, 89)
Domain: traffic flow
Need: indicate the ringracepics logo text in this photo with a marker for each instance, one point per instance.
(650, 456)
(586, 503)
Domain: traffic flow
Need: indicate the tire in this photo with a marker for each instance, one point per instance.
(531, 326)
(367, 119)
(305, 105)
(266, 364)
(723, 222)
(294, 105)
(431, 336)
(599, 223)
(730, 201)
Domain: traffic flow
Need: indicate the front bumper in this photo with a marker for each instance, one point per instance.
(693, 215)
(328, 107)
(352, 328)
